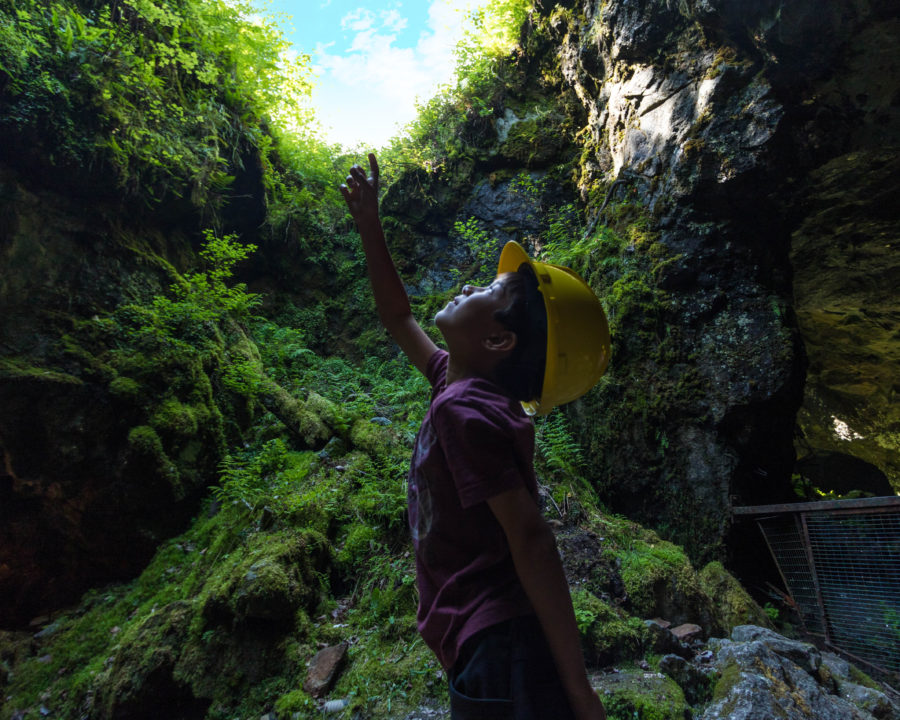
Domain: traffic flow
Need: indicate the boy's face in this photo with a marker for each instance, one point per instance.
(473, 304)
(469, 317)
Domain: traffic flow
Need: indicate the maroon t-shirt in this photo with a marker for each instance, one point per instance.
(474, 443)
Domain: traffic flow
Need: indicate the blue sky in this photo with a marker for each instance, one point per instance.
(372, 59)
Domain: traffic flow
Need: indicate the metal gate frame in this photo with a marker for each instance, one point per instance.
(840, 563)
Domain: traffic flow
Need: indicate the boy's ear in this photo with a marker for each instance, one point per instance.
(501, 341)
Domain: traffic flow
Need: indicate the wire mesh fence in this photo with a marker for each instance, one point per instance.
(840, 562)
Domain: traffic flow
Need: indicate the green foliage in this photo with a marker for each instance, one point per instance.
(374, 387)
(585, 612)
(189, 321)
(483, 248)
(255, 475)
(556, 445)
(458, 119)
(167, 93)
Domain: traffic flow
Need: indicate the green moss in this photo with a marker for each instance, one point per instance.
(176, 418)
(535, 141)
(650, 570)
(13, 368)
(296, 701)
(359, 540)
(298, 416)
(734, 604)
(269, 578)
(144, 440)
(125, 388)
(860, 678)
(609, 634)
(729, 676)
(145, 649)
(145, 443)
(633, 693)
(327, 411)
(371, 438)
(62, 671)
(389, 676)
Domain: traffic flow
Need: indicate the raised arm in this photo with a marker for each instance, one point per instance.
(361, 195)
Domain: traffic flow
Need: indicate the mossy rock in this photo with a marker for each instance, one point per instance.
(302, 418)
(734, 604)
(609, 634)
(661, 582)
(328, 412)
(271, 578)
(534, 142)
(633, 693)
(125, 388)
(18, 369)
(375, 440)
(177, 418)
(138, 673)
(146, 448)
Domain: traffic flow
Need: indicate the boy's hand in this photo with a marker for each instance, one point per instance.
(361, 193)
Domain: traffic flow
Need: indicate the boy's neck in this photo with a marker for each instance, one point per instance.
(457, 370)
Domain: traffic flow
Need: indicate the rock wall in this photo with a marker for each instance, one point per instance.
(78, 506)
(765, 136)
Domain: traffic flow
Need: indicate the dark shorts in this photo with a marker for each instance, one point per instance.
(507, 672)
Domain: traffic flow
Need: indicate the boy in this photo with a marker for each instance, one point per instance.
(494, 603)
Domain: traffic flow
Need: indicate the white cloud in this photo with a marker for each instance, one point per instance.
(366, 93)
(359, 19)
(393, 20)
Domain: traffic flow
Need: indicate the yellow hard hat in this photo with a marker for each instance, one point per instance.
(578, 349)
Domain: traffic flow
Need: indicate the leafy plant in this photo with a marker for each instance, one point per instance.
(585, 612)
(170, 95)
(556, 446)
(483, 248)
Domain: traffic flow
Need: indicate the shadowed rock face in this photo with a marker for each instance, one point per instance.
(716, 113)
(82, 501)
(847, 269)
(764, 140)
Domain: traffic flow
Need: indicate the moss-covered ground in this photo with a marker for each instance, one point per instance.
(297, 550)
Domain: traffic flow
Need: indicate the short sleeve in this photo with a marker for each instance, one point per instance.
(479, 445)
(436, 368)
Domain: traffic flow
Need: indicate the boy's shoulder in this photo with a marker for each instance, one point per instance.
(477, 399)
(470, 399)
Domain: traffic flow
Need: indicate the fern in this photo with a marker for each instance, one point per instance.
(556, 446)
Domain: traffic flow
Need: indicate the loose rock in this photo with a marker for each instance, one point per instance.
(324, 670)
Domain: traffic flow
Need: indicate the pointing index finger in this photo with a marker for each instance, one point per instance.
(373, 165)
